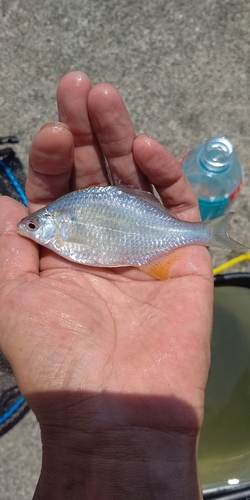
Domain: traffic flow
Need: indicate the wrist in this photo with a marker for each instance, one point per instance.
(124, 464)
(118, 447)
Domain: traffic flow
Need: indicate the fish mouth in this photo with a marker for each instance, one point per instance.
(21, 228)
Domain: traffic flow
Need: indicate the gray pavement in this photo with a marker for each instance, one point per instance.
(183, 70)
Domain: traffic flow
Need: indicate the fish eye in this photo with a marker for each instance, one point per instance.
(32, 225)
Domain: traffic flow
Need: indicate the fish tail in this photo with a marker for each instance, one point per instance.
(219, 235)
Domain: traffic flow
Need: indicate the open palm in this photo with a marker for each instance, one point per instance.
(68, 328)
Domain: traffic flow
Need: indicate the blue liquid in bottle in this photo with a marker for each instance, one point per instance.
(215, 174)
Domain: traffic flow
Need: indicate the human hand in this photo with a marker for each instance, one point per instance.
(113, 363)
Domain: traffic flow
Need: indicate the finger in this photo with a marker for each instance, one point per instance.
(72, 94)
(115, 133)
(165, 173)
(51, 160)
(18, 256)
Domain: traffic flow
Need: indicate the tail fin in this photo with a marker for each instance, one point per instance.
(219, 235)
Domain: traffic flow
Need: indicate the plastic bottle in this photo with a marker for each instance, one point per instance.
(215, 174)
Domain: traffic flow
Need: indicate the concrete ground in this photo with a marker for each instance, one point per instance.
(183, 70)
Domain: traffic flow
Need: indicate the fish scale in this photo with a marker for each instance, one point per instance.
(116, 226)
(103, 226)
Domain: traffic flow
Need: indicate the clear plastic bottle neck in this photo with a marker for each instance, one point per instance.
(217, 154)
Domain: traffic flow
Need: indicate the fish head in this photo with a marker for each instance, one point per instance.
(39, 226)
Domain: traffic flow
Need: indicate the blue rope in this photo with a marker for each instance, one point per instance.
(15, 183)
(24, 200)
(12, 410)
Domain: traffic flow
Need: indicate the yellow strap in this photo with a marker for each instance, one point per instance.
(230, 263)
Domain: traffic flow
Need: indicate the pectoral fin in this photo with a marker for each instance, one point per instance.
(159, 267)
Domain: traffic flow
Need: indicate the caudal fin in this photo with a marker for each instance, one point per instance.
(219, 235)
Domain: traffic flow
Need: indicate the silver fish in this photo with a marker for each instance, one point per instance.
(117, 226)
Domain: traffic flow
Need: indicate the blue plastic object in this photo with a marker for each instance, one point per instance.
(215, 174)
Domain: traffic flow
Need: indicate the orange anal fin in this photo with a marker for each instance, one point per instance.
(159, 266)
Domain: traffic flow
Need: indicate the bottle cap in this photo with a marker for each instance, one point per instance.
(217, 154)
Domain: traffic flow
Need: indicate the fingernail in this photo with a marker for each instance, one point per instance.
(58, 125)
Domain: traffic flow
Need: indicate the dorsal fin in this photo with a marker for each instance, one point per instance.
(144, 196)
